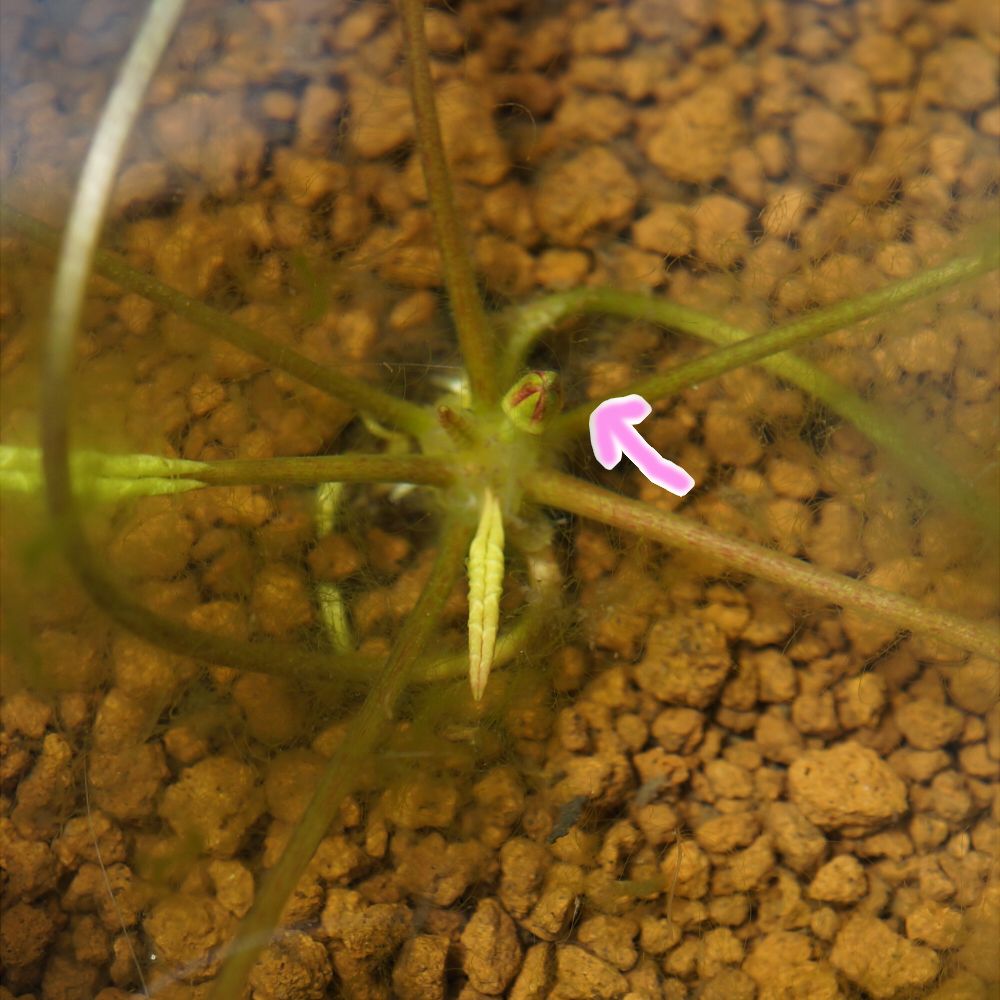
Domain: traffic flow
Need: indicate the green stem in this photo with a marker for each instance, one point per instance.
(525, 324)
(341, 774)
(911, 453)
(422, 470)
(400, 414)
(121, 477)
(475, 336)
(555, 489)
(740, 347)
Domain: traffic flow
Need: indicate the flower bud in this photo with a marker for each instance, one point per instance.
(533, 400)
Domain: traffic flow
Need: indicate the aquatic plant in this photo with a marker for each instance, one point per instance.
(494, 476)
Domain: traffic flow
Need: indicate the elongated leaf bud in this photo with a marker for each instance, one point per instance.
(486, 568)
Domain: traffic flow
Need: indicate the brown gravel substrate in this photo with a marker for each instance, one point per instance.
(718, 790)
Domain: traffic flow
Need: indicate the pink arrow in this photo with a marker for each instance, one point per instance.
(613, 434)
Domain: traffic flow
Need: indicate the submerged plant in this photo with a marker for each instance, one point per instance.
(490, 456)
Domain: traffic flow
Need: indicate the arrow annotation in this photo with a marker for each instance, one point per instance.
(613, 434)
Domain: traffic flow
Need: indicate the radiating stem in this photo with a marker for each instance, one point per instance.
(559, 490)
(910, 452)
(740, 348)
(341, 774)
(366, 398)
(526, 323)
(119, 477)
(422, 470)
(475, 335)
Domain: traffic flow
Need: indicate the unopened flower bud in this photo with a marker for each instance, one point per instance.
(533, 400)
